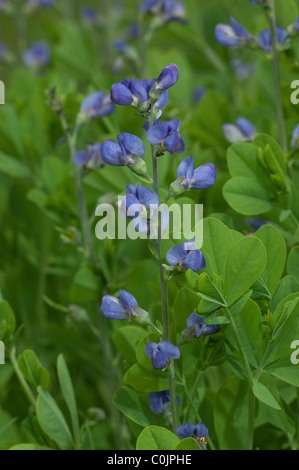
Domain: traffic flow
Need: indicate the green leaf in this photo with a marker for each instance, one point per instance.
(188, 444)
(143, 380)
(275, 246)
(242, 160)
(217, 243)
(157, 438)
(52, 420)
(128, 402)
(246, 262)
(13, 167)
(32, 369)
(184, 298)
(126, 340)
(231, 414)
(85, 287)
(262, 140)
(248, 321)
(7, 321)
(247, 197)
(26, 446)
(211, 297)
(264, 395)
(293, 262)
(69, 396)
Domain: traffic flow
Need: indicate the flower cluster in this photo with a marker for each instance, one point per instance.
(165, 10)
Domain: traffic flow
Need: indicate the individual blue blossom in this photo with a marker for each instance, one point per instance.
(186, 256)
(92, 159)
(159, 401)
(96, 105)
(3, 4)
(232, 36)
(167, 10)
(127, 151)
(141, 204)
(189, 178)
(167, 79)
(89, 14)
(295, 138)
(196, 327)
(161, 353)
(256, 224)
(198, 432)
(131, 92)
(265, 39)
(38, 55)
(126, 307)
(242, 131)
(166, 136)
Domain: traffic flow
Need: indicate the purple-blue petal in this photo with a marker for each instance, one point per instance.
(112, 308)
(204, 176)
(112, 153)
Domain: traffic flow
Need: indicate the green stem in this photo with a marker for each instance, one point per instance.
(251, 415)
(164, 300)
(276, 75)
(21, 378)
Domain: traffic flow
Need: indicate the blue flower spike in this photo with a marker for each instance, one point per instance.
(161, 353)
(199, 432)
(186, 256)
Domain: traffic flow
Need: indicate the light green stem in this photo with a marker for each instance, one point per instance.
(21, 378)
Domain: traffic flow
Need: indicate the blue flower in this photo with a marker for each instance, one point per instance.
(196, 327)
(166, 136)
(119, 309)
(97, 105)
(198, 432)
(135, 204)
(167, 78)
(161, 353)
(92, 159)
(188, 178)
(38, 55)
(265, 39)
(3, 4)
(256, 224)
(243, 131)
(186, 256)
(158, 401)
(168, 10)
(127, 150)
(232, 36)
(131, 92)
(295, 138)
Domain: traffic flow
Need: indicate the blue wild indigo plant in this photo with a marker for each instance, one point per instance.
(154, 342)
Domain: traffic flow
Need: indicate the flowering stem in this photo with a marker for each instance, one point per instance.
(276, 75)
(164, 301)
